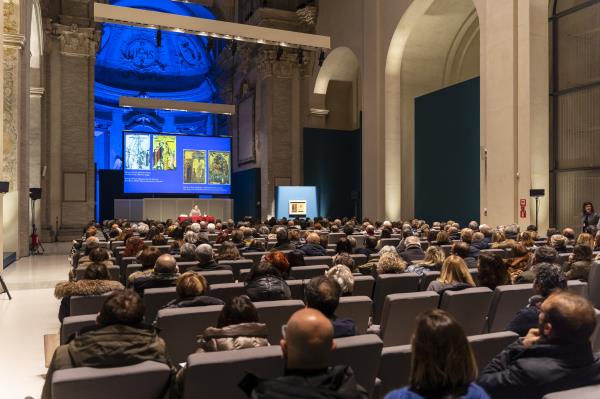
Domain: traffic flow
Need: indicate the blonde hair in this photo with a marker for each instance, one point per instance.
(190, 284)
(433, 256)
(586, 239)
(454, 270)
(390, 263)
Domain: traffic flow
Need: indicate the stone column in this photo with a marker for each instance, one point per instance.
(71, 120)
(36, 95)
(1, 144)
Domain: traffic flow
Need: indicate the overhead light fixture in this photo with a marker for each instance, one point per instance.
(172, 105)
(202, 26)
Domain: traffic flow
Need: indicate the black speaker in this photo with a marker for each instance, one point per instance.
(537, 192)
(3, 187)
(35, 193)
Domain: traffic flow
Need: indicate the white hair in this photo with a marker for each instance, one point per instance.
(195, 227)
(143, 228)
(211, 227)
(387, 223)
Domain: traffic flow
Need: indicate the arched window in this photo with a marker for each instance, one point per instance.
(575, 104)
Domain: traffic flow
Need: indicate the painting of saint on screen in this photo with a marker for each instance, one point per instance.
(137, 152)
(164, 153)
(219, 167)
(194, 168)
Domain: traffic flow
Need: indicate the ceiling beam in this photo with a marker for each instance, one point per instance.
(172, 105)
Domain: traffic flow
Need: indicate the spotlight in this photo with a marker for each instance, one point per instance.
(300, 56)
(159, 38)
(279, 53)
(321, 58)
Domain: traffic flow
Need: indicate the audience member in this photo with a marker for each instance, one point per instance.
(343, 246)
(95, 282)
(96, 255)
(323, 293)
(283, 240)
(543, 254)
(519, 262)
(585, 239)
(119, 339)
(369, 248)
(238, 327)
(554, 356)
(463, 250)
(206, 261)
(454, 276)
(228, 251)
(390, 263)
(412, 250)
(307, 342)
(342, 275)
(434, 258)
(443, 364)
(265, 283)
(191, 289)
(133, 246)
(187, 252)
(165, 274)
(279, 261)
(313, 246)
(548, 278)
(296, 258)
(492, 271)
(345, 259)
(580, 263)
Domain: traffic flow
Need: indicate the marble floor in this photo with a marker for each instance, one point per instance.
(24, 320)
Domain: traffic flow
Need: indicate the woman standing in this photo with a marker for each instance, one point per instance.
(589, 217)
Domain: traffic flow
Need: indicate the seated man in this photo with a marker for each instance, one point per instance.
(307, 341)
(283, 241)
(548, 279)
(412, 250)
(556, 356)
(369, 249)
(462, 249)
(206, 260)
(543, 254)
(119, 339)
(165, 274)
(323, 294)
(313, 246)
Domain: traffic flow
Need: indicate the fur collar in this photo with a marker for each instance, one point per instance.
(85, 287)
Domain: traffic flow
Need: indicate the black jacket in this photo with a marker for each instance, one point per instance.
(343, 327)
(411, 254)
(365, 251)
(154, 280)
(313, 250)
(333, 383)
(590, 220)
(201, 300)
(210, 267)
(526, 318)
(521, 372)
(268, 288)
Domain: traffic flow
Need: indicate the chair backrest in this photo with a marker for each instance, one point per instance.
(359, 259)
(400, 312)
(184, 266)
(296, 288)
(275, 314)
(227, 291)
(115, 244)
(132, 268)
(318, 260)
(164, 249)
(594, 285)
(218, 276)
(497, 251)
(335, 237)
(394, 242)
(362, 353)
(89, 304)
(487, 346)
(357, 308)
(386, 284)
(360, 240)
(114, 273)
(255, 257)
(72, 324)
(144, 380)
(469, 307)
(506, 302)
(180, 327)
(156, 298)
(363, 286)
(217, 374)
(394, 368)
(427, 277)
(237, 265)
(589, 392)
(562, 258)
(578, 287)
(308, 272)
(446, 249)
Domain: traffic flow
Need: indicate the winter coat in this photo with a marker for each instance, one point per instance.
(474, 391)
(209, 267)
(578, 270)
(333, 383)
(154, 280)
(233, 337)
(268, 288)
(516, 266)
(200, 300)
(412, 254)
(116, 345)
(66, 289)
(313, 250)
(532, 372)
(527, 318)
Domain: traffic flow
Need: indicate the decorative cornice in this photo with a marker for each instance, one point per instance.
(15, 40)
(76, 41)
(37, 91)
(308, 15)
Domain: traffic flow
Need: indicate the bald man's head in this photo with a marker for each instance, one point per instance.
(567, 318)
(165, 264)
(308, 340)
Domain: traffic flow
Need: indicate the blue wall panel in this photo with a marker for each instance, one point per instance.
(285, 194)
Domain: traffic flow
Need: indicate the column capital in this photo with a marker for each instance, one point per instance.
(75, 41)
(36, 91)
(14, 40)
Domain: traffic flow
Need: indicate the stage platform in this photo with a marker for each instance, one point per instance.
(9, 258)
(171, 208)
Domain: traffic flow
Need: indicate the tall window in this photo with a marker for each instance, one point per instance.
(575, 102)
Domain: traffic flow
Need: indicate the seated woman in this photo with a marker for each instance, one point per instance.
(492, 271)
(434, 258)
(228, 251)
(238, 327)
(519, 263)
(97, 255)
(133, 246)
(342, 275)
(95, 282)
(279, 261)
(580, 263)
(254, 246)
(190, 289)
(390, 263)
(454, 276)
(296, 258)
(443, 365)
(147, 258)
(265, 283)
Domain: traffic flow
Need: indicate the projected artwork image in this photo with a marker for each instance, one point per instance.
(194, 168)
(137, 152)
(164, 153)
(218, 167)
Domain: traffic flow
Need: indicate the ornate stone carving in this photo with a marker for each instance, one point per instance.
(76, 41)
(10, 114)
(268, 66)
(308, 15)
(11, 17)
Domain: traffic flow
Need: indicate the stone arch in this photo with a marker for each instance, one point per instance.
(433, 37)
